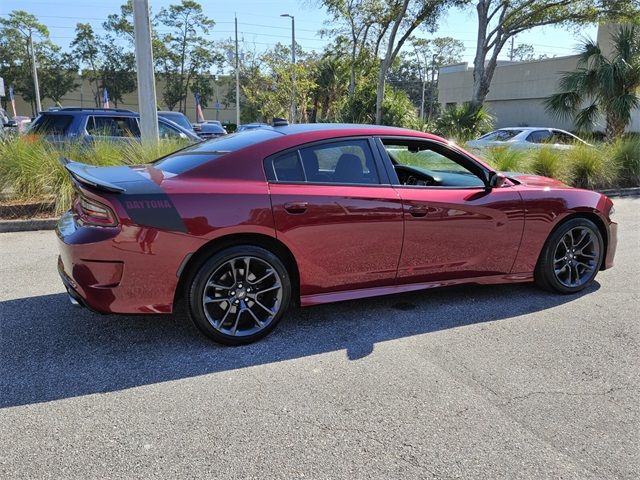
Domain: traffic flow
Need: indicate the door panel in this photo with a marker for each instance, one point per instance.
(343, 237)
(459, 233)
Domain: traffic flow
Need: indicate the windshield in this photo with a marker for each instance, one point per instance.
(501, 135)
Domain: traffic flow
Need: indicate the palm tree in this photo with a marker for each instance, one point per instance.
(608, 84)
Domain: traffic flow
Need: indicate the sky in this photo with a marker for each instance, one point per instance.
(260, 24)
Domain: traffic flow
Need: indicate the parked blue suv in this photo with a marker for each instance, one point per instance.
(89, 124)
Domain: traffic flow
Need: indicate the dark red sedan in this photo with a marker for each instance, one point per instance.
(244, 226)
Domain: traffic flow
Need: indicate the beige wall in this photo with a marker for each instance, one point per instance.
(518, 89)
(83, 97)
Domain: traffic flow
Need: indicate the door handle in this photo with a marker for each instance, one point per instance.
(418, 211)
(296, 208)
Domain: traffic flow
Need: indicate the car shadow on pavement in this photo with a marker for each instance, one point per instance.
(50, 350)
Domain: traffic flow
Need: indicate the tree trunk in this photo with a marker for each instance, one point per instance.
(480, 87)
(384, 66)
(614, 128)
(352, 79)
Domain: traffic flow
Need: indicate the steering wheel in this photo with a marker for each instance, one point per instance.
(424, 179)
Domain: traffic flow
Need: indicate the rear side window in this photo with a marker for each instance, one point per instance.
(349, 161)
(52, 124)
(108, 126)
(288, 168)
(342, 162)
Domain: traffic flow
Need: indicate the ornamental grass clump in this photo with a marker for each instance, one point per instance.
(30, 168)
(548, 162)
(506, 159)
(625, 154)
(590, 167)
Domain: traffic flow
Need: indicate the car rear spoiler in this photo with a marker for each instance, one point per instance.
(81, 173)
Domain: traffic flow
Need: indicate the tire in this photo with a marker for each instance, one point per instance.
(570, 262)
(241, 310)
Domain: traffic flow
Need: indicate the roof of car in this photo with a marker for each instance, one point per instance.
(93, 111)
(296, 128)
(530, 128)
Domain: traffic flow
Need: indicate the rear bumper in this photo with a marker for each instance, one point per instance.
(128, 269)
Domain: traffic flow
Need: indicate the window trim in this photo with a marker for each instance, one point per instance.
(395, 182)
(383, 177)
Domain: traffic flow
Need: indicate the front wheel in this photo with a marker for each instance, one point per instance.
(571, 257)
(239, 294)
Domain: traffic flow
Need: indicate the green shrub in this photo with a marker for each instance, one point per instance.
(30, 168)
(625, 154)
(590, 167)
(505, 159)
(548, 162)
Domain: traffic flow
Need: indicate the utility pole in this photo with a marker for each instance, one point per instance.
(511, 52)
(145, 75)
(36, 87)
(237, 78)
(293, 62)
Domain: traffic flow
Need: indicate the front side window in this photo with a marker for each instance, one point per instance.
(539, 136)
(111, 126)
(165, 131)
(563, 138)
(428, 164)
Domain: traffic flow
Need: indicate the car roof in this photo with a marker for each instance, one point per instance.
(298, 128)
(531, 128)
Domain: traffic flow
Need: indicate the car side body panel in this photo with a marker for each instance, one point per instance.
(459, 233)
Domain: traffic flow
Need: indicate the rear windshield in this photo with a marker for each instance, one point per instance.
(51, 124)
(501, 135)
(200, 153)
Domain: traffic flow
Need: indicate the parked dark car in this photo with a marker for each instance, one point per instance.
(243, 226)
(89, 124)
(208, 130)
(177, 117)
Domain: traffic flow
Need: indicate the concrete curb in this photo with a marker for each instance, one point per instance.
(50, 223)
(28, 225)
(622, 192)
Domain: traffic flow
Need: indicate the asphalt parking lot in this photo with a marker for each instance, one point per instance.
(469, 382)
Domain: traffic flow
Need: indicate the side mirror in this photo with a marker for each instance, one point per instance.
(497, 180)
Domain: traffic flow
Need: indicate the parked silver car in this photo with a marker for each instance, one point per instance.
(528, 137)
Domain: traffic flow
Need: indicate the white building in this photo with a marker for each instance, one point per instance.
(518, 89)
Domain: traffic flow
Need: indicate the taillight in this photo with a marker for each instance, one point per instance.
(91, 212)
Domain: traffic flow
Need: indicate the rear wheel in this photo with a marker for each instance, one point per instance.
(239, 294)
(571, 257)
